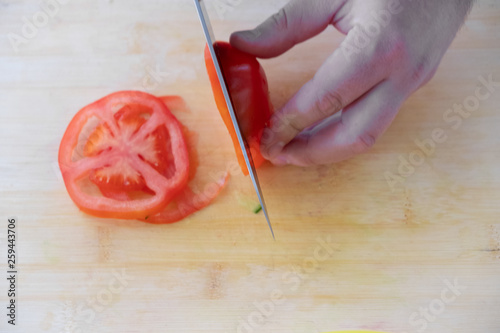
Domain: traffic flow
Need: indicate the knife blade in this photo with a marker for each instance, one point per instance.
(209, 35)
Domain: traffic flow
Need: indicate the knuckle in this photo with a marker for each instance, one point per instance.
(280, 19)
(416, 64)
(363, 143)
(281, 121)
(421, 68)
(293, 122)
(326, 103)
(397, 47)
(392, 48)
(428, 77)
(287, 120)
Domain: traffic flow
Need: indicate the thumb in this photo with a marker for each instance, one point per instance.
(298, 21)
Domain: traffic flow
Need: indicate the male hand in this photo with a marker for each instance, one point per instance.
(392, 47)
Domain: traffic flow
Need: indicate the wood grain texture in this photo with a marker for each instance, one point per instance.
(388, 253)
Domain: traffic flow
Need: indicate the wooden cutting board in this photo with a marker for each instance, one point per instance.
(350, 252)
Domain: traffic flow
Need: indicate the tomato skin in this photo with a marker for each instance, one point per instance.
(188, 202)
(116, 205)
(106, 159)
(248, 88)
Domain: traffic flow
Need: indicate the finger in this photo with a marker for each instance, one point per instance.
(296, 22)
(356, 130)
(339, 81)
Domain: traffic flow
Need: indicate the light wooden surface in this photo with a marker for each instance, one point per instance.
(393, 252)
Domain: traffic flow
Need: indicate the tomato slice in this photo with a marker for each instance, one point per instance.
(124, 156)
(188, 201)
(247, 85)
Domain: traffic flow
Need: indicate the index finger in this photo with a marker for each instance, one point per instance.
(338, 82)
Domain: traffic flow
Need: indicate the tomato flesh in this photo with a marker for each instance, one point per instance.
(140, 158)
(188, 202)
(139, 147)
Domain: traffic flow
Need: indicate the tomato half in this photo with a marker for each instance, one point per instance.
(248, 88)
(124, 156)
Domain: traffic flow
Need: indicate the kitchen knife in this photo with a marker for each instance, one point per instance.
(209, 35)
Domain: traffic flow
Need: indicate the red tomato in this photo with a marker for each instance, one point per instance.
(247, 85)
(187, 201)
(124, 156)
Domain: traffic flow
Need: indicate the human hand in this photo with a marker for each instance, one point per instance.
(367, 77)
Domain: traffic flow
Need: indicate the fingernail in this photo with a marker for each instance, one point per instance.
(281, 160)
(275, 149)
(248, 35)
(267, 136)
